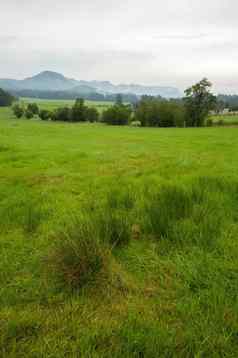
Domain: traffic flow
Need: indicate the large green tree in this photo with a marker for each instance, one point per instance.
(79, 111)
(156, 112)
(198, 102)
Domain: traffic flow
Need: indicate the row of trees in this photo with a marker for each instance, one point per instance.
(227, 101)
(151, 112)
(78, 113)
(192, 111)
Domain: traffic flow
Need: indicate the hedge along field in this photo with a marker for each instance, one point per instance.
(117, 241)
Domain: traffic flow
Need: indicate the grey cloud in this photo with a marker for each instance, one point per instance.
(152, 42)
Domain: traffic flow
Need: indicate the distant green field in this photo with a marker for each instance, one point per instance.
(53, 104)
(226, 119)
(153, 270)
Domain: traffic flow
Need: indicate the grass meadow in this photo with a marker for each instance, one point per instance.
(117, 241)
(225, 119)
(52, 104)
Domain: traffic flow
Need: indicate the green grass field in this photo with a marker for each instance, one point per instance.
(117, 241)
(225, 119)
(53, 104)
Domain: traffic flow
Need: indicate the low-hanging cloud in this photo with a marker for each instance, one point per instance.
(152, 42)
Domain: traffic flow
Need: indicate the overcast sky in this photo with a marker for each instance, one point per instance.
(163, 42)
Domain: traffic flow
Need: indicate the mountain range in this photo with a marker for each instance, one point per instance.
(53, 81)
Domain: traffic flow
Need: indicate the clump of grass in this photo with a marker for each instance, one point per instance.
(33, 215)
(24, 211)
(114, 227)
(19, 329)
(112, 219)
(78, 257)
(163, 206)
(183, 215)
(121, 197)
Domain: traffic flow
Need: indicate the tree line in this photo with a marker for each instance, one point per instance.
(227, 101)
(78, 113)
(191, 111)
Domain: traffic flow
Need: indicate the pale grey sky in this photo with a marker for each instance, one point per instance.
(156, 42)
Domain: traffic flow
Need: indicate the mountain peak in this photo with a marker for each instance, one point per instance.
(49, 75)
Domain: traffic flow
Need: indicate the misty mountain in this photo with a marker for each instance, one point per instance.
(53, 81)
(106, 87)
(44, 81)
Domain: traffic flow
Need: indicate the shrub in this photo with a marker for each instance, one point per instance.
(61, 114)
(18, 110)
(92, 114)
(29, 114)
(117, 115)
(209, 122)
(78, 256)
(220, 122)
(32, 107)
(44, 114)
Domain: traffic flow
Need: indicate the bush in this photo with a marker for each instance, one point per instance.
(61, 114)
(209, 122)
(18, 110)
(33, 108)
(220, 122)
(92, 114)
(78, 257)
(118, 114)
(29, 114)
(44, 115)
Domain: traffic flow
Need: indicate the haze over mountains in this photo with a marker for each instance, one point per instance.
(53, 81)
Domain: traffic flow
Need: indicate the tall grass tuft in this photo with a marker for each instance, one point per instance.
(114, 227)
(163, 206)
(78, 257)
(185, 215)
